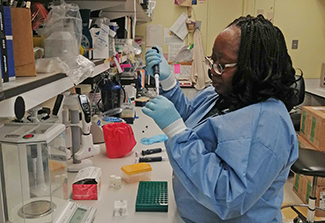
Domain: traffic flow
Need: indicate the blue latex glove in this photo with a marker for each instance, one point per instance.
(153, 58)
(154, 139)
(162, 111)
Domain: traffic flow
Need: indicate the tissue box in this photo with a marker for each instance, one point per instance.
(86, 185)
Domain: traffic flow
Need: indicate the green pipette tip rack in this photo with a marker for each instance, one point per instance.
(152, 196)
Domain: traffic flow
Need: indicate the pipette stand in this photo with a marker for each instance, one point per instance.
(85, 149)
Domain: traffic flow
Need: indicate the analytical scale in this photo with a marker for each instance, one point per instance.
(33, 172)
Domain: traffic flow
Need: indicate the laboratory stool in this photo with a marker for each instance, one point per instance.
(309, 163)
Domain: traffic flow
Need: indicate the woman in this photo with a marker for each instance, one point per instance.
(231, 147)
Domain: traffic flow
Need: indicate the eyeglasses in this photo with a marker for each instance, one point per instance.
(218, 68)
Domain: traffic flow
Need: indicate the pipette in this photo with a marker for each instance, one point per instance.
(156, 74)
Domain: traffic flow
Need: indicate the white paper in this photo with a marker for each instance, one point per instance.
(171, 39)
(101, 50)
(184, 54)
(102, 39)
(179, 27)
(154, 35)
(173, 50)
(185, 73)
(88, 173)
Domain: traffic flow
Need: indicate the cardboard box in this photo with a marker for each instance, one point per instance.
(87, 183)
(312, 125)
(302, 186)
(23, 42)
(320, 197)
(303, 143)
(305, 122)
(320, 180)
(298, 186)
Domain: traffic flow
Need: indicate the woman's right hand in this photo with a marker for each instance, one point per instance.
(153, 58)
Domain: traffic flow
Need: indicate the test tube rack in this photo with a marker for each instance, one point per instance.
(152, 196)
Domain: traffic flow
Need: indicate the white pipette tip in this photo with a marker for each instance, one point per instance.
(157, 83)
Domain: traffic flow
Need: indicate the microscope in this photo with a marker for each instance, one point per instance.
(82, 147)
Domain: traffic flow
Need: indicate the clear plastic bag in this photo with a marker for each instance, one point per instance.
(63, 31)
(49, 65)
(78, 68)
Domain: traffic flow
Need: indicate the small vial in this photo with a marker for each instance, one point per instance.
(118, 183)
(112, 181)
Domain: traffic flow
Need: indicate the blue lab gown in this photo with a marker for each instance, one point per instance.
(232, 167)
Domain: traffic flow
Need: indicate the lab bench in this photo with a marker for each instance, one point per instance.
(161, 171)
(315, 95)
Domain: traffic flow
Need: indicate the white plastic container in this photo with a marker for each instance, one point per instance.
(136, 172)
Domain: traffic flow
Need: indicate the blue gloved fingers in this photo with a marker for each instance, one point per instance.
(159, 99)
(151, 105)
(147, 111)
(163, 113)
(152, 58)
(152, 63)
(152, 52)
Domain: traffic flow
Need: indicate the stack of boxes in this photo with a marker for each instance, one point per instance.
(311, 136)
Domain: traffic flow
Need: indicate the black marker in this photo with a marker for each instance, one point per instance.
(151, 151)
(150, 159)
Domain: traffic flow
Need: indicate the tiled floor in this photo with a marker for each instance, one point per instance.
(291, 198)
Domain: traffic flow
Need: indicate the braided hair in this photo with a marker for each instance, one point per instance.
(264, 67)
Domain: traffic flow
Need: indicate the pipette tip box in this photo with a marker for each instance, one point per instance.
(152, 196)
(141, 101)
(136, 172)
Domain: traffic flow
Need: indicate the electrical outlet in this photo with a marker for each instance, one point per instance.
(322, 76)
(294, 44)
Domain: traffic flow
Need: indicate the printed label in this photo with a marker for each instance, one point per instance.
(297, 182)
(312, 131)
(303, 122)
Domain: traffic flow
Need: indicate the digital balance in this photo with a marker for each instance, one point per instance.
(33, 175)
(76, 213)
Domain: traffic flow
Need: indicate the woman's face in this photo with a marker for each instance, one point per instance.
(225, 51)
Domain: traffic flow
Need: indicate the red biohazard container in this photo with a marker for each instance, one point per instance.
(119, 139)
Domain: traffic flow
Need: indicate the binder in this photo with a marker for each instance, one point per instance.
(3, 47)
(9, 39)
